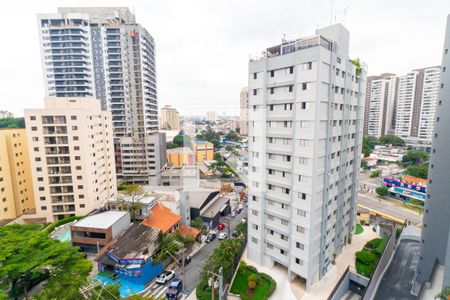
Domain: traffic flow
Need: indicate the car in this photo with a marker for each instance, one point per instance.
(235, 233)
(187, 260)
(211, 237)
(165, 276)
(175, 289)
(220, 226)
(223, 236)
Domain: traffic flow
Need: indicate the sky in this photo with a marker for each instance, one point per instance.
(202, 47)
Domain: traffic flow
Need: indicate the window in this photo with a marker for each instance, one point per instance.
(35, 139)
(254, 226)
(272, 73)
(254, 212)
(43, 207)
(75, 138)
(33, 118)
(255, 75)
(301, 212)
(42, 198)
(254, 240)
(303, 105)
(40, 179)
(283, 237)
(270, 217)
(82, 205)
(270, 187)
(302, 196)
(77, 157)
(298, 261)
(304, 124)
(271, 107)
(33, 128)
(36, 149)
(286, 191)
(73, 117)
(284, 222)
(300, 246)
(255, 92)
(272, 91)
(307, 66)
(81, 196)
(304, 86)
(41, 188)
(303, 160)
(300, 229)
(76, 148)
(291, 88)
(271, 171)
(37, 159)
(74, 127)
(269, 246)
(282, 251)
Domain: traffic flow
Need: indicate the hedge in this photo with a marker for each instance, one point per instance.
(380, 248)
(372, 244)
(273, 283)
(365, 257)
(365, 270)
(49, 229)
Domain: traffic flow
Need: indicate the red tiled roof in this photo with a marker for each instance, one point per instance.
(162, 218)
(412, 179)
(187, 230)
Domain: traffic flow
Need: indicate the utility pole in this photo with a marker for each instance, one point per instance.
(220, 277)
(212, 287)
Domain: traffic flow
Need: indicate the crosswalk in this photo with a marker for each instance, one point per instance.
(156, 290)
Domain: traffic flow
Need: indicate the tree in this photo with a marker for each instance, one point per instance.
(369, 143)
(444, 294)
(12, 123)
(251, 281)
(210, 136)
(197, 223)
(375, 173)
(133, 202)
(391, 140)
(357, 64)
(382, 191)
(232, 136)
(104, 292)
(364, 164)
(420, 171)
(182, 140)
(414, 157)
(28, 256)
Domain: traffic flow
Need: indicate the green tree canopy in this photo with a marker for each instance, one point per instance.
(182, 140)
(414, 157)
(420, 171)
(382, 191)
(391, 140)
(368, 144)
(28, 256)
(232, 136)
(210, 136)
(12, 123)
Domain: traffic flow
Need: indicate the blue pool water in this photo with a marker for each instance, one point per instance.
(127, 288)
(65, 237)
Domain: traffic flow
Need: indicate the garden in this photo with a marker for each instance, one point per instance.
(249, 284)
(367, 259)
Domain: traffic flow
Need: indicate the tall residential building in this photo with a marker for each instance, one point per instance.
(416, 103)
(16, 183)
(102, 52)
(243, 122)
(380, 105)
(435, 246)
(306, 105)
(170, 118)
(72, 156)
(211, 116)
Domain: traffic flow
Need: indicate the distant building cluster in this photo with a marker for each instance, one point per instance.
(4, 114)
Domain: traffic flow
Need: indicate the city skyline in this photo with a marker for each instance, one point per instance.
(229, 41)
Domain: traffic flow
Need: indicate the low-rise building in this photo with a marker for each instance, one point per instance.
(99, 230)
(180, 176)
(204, 151)
(210, 205)
(389, 154)
(162, 218)
(410, 188)
(179, 157)
(16, 183)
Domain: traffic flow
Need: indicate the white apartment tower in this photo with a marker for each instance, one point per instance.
(306, 105)
(211, 116)
(72, 156)
(103, 53)
(380, 104)
(243, 122)
(416, 104)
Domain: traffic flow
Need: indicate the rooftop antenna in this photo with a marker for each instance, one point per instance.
(344, 12)
(284, 38)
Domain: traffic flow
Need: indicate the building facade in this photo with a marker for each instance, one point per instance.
(182, 156)
(170, 118)
(306, 106)
(211, 116)
(104, 53)
(204, 151)
(4, 114)
(243, 122)
(72, 156)
(416, 104)
(380, 104)
(16, 183)
(435, 244)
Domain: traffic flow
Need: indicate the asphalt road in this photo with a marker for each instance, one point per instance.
(396, 282)
(388, 207)
(192, 275)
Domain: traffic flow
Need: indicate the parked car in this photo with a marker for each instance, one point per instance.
(221, 226)
(223, 236)
(187, 260)
(235, 233)
(211, 237)
(165, 276)
(175, 289)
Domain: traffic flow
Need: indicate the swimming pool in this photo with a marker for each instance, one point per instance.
(126, 289)
(62, 233)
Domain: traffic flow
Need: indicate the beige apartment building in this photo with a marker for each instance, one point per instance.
(16, 185)
(72, 156)
(170, 118)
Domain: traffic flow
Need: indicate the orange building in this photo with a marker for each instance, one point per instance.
(204, 151)
(179, 157)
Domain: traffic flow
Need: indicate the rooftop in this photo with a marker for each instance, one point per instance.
(180, 150)
(162, 218)
(188, 230)
(215, 206)
(202, 143)
(102, 220)
(412, 179)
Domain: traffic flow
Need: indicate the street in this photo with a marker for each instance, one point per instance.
(193, 269)
(389, 207)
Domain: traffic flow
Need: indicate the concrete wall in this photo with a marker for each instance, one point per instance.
(382, 266)
(122, 224)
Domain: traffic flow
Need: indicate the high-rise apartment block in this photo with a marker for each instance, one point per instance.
(104, 53)
(435, 245)
(306, 105)
(170, 118)
(243, 122)
(211, 116)
(72, 156)
(380, 105)
(16, 184)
